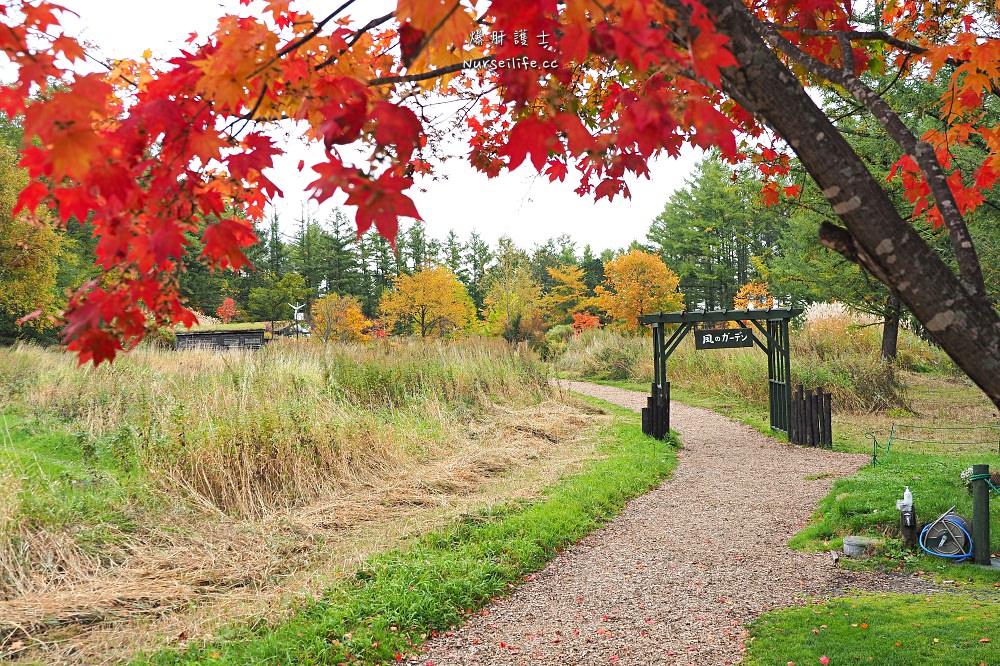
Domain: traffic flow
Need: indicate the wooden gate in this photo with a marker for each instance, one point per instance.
(772, 325)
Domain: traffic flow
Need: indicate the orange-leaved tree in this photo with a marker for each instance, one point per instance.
(431, 302)
(227, 310)
(637, 283)
(584, 321)
(336, 317)
(753, 295)
(154, 152)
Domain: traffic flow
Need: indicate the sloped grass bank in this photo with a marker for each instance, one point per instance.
(399, 598)
(890, 630)
(866, 502)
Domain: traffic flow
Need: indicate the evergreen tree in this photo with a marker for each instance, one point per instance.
(310, 256)
(343, 259)
(478, 257)
(593, 268)
(277, 261)
(710, 232)
(452, 258)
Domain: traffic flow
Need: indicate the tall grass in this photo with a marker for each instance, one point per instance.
(249, 432)
(836, 352)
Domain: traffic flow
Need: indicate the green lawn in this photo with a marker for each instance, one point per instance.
(398, 598)
(65, 478)
(889, 630)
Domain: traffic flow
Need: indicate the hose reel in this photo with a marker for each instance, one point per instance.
(950, 536)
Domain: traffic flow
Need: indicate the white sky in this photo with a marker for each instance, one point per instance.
(521, 204)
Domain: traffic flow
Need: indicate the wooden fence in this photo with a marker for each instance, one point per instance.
(810, 422)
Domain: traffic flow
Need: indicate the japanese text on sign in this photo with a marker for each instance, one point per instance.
(724, 338)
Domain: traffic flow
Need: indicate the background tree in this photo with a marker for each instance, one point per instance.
(712, 230)
(753, 296)
(226, 311)
(270, 302)
(430, 302)
(554, 253)
(568, 293)
(593, 268)
(512, 297)
(342, 270)
(451, 252)
(478, 258)
(638, 283)
(310, 256)
(29, 251)
(584, 321)
(339, 318)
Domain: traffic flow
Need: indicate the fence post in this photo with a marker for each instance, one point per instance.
(818, 411)
(981, 515)
(828, 419)
(808, 405)
(795, 431)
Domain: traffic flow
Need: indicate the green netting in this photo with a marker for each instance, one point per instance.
(948, 438)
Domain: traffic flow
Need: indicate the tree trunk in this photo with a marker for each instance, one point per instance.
(890, 330)
(874, 234)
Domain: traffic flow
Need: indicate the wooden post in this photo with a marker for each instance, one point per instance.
(810, 418)
(800, 399)
(908, 527)
(981, 515)
(817, 399)
(828, 420)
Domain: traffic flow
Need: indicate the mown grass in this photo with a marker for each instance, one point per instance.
(90, 457)
(890, 630)
(400, 597)
(249, 432)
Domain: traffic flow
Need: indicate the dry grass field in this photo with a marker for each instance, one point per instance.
(171, 494)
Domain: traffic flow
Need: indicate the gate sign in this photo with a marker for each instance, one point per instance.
(722, 338)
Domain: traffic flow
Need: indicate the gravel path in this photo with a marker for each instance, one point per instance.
(676, 575)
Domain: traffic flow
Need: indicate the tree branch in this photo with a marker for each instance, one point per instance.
(434, 73)
(922, 152)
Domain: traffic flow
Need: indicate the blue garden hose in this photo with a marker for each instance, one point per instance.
(946, 517)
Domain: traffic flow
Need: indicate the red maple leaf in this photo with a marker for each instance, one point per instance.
(224, 239)
(532, 136)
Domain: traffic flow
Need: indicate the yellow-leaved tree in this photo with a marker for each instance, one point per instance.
(568, 294)
(754, 295)
(29, 250)
(512, 295)
(339, 318)
(637, 283)
(431, 302)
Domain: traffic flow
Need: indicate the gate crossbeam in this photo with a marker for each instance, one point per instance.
(772, 324)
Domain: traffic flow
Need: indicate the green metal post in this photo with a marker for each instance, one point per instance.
(786, 359)
(771, 376)
(657, 350)
(981, 515)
